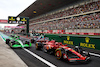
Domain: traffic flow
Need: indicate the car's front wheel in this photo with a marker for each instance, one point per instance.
(59, 54)
(7, 41)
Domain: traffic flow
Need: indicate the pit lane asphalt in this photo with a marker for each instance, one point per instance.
(94, 62)
(31, 61)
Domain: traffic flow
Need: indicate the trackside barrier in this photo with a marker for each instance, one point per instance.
(75, 32)
(92, 42)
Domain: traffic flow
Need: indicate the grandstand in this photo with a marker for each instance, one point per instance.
(78, 16)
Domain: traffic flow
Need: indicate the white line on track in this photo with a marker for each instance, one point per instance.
(2, 38)
(41, 59)
(45, 61)
(92, 54)
(84, 51)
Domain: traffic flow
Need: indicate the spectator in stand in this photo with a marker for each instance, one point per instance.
(86, 21)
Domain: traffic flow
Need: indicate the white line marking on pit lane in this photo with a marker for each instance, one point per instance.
(92, 54)
(41, 59)
(83, 51)
(2, 38)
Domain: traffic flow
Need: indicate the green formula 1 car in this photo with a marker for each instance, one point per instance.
(14, 41)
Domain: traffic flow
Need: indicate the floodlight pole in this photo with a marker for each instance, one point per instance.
(27, 27)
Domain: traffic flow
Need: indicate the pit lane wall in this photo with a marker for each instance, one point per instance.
(71, 31)
(92, 42)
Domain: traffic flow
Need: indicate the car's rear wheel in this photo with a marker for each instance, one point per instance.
(38, 45)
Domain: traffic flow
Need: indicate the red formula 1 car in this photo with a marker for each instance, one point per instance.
(72, 55)
(51, 46)
(41, 42)
(63, 51)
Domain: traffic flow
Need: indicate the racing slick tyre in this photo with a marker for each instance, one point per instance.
(38, 45)
(7, 41)
(59, 53)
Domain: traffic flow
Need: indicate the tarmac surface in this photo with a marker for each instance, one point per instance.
(32, 61)
(8, 58)
(94, 61)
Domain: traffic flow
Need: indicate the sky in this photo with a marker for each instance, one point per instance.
(13, 7)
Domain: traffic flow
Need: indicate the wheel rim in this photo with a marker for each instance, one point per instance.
(58, 54)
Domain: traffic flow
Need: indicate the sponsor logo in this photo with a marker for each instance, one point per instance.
(12, 19)
(23, 19)
(68, 37)
(68, 41)
(87, 40)
(87, 44)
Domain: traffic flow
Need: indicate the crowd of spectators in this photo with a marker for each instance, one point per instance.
(80, 22)
(75, 10)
